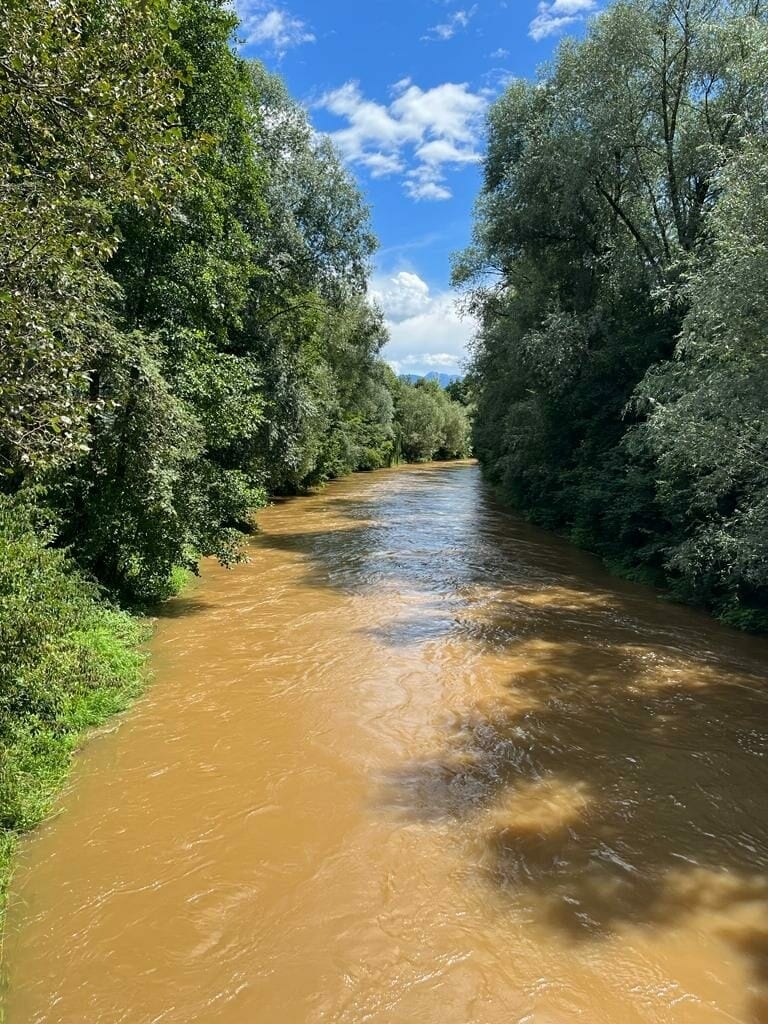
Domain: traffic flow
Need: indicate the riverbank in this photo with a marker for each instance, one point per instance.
(70, 662)
(624, 558)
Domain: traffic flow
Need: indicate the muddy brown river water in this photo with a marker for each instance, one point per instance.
(416, 763)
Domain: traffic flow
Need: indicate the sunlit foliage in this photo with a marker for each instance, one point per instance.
(617, 254)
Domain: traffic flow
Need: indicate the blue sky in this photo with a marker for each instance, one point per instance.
(402, 86)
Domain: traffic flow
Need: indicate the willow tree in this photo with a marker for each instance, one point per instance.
(308, 322)
(87, 122)
(707, 409)
(600, 180)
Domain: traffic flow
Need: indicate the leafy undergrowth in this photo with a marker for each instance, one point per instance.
(69, 661)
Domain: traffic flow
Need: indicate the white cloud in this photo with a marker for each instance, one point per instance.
(402, 295)
(442, 151)
(437, 360)
(426, 330)
(448, 29)
(432, 190)
(381, 165)
(555, 15)
(420, 134)
(500, 54)
(265, 24)
(448, 110)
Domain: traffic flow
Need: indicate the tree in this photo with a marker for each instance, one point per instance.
(307, 321)
(87, 121)
(173, 467)
(429, 423)
(600, 181)
(708, 408)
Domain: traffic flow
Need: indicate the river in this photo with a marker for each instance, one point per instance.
(417, 762)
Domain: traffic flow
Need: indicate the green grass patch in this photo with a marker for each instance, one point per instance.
(69, 661)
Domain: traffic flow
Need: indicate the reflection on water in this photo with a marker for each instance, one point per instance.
(416, 762)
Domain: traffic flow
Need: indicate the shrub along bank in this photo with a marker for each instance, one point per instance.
(70, 660)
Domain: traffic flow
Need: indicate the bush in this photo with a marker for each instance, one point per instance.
(69, 661)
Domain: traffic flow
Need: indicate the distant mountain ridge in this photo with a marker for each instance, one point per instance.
(443, 379)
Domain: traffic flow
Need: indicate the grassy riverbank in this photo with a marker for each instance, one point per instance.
(70, 661)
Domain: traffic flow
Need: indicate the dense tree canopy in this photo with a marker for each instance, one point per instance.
(616, 268)
(183, 284)
(430, 424)
(87, 122)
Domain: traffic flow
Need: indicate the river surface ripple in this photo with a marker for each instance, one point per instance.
(415, 762)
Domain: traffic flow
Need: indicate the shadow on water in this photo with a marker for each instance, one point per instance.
(619, 777)
(605, 791)
(180, 607)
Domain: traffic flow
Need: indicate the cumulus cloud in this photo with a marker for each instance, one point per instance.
(554, 15)
(381, 165)
(402, 295)
(417, 188)
(448, 29)
(420, 134)
(265, 24)
(434, 360)
(425, 328)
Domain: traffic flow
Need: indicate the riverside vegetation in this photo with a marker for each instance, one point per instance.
(184, 326)
(619, 269)
(184, 331)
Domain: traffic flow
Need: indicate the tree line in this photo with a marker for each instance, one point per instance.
(618, 268)
(184, 330)
(183, 288)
